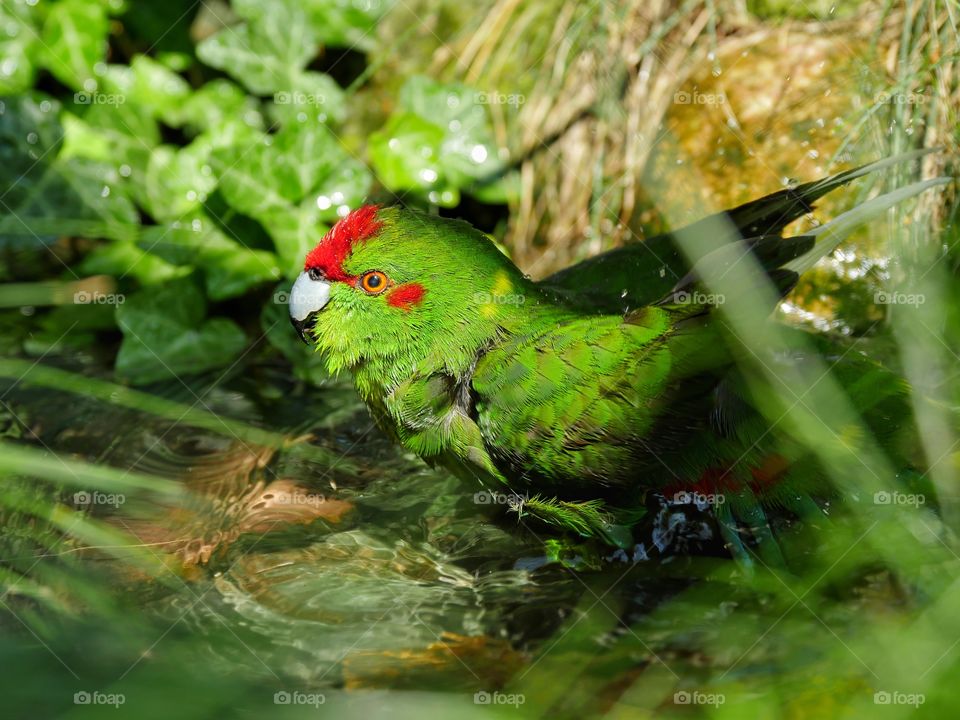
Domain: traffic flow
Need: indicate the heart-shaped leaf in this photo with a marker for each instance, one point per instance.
(165, 334)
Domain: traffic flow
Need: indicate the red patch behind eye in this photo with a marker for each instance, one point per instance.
(406, 296)
(332, 250)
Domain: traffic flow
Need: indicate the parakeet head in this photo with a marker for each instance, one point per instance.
(401, 291)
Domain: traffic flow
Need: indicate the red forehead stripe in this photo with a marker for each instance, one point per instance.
(332, 250)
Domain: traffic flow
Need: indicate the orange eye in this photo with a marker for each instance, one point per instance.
(374, 282)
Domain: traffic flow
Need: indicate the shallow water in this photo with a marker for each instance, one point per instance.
(332, 561)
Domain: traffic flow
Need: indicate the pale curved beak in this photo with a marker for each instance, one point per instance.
(307, 297)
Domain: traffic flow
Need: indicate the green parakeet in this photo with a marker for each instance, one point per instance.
(585, 391)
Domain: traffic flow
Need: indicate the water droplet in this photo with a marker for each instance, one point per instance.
(90, 85)
(191, 195)
(393, 143)
(428, 175)
(323, 202)
(32, 138)
(337, 197)
(9, 66)
(125, 170)
(196, 225)
(343, 210)
(105, 191)
(478, 154)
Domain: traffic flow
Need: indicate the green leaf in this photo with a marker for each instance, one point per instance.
(98, 186)
(19, 46)
(158, 89)
(406, 153)
(178, 180)
(310, 97)
(230, 269)
(125, 259)
(467, 151)
(220, 103)
(77, 189)
(29, 126)
(295, 231)
(165, 334)
(248, 179)
(437, 143)
(75, 39)
(346, 23)
(265, 55)
(291, 182)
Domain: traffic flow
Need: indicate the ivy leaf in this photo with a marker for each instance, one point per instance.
(346, 23)
(165, 334)
(310, 97)
(438, 142)
(29, 126)
(75, 39)
(266, 54)
(159, 90)
(406, 153)
(19, 46)
(99, 188)
(230, 269)
(292, 183)
(295, 231)
(123, 259)
(218, 104)
(178, 180)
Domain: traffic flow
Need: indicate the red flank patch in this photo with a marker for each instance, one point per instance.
(406, 296)
(332, 250)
